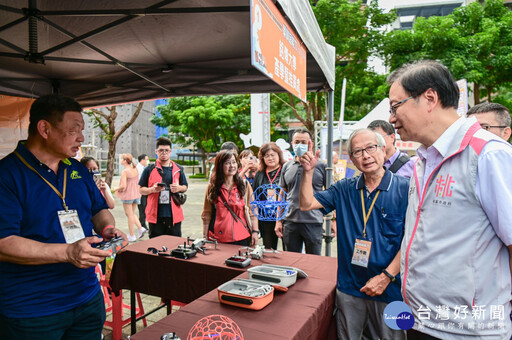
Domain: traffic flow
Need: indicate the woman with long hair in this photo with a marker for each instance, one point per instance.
(94, 168)
(225, 201)
(128, 193)
(271, 161)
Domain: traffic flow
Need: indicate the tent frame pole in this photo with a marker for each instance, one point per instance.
(329, 170)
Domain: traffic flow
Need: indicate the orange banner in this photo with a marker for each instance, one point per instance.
(276, 50)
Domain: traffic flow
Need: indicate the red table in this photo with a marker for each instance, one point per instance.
(304, 312)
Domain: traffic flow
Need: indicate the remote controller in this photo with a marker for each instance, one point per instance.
(112, 246)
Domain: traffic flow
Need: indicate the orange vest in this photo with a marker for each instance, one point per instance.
(152, 205)
(227, 229)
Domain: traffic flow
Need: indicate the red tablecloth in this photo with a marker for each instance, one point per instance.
(304, 312)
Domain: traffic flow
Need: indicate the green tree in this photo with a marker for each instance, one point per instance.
(205, 122)
(355, 30)
(474, 42)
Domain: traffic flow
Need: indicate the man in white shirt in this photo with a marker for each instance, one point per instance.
(143, 163)
(455, 254)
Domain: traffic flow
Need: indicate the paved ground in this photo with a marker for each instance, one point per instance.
(192, 226)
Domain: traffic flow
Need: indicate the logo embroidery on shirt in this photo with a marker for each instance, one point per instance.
(74, 175)
(444, 186)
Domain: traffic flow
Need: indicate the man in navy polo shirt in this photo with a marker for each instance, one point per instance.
(370, 217)
(49, 206)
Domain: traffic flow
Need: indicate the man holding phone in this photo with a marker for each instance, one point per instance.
(158, 182)
(50, 206)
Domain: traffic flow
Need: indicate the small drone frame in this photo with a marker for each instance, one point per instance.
(258, 251)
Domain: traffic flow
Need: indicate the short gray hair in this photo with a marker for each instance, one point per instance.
(380, 140)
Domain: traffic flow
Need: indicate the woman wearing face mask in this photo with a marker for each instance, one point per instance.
(271, 161)
(225, 201)
(94, 168)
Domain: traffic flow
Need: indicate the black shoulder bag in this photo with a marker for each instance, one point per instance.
(179, 198)
(399, 162)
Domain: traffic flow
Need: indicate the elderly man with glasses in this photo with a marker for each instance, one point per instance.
(370, 218)
(159, 181)
(455, 259)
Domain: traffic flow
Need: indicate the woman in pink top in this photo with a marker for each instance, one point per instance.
(128, 193)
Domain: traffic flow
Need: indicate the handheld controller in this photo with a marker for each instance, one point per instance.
(112, 246)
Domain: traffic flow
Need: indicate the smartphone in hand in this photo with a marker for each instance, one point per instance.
(97, 178)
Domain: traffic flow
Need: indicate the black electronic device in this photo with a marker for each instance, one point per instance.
(161, 184)
(238, 261)
(183, 253)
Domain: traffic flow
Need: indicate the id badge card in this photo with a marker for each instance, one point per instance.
(165, 197)
(361, 254)
(71, 226)
(271, 194)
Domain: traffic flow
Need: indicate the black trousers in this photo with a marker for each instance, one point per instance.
(142, 210)
(164, 226)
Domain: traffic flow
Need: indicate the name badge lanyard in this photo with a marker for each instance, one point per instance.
(365, 215)
(275, 176)
(271, 192)
(63, 195)
(363, 247)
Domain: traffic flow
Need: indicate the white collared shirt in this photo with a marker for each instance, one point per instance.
(493, 179)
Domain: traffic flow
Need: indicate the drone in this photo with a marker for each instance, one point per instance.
(198, 244)
(258, 251)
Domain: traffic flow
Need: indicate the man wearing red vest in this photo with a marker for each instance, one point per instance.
(159, 181)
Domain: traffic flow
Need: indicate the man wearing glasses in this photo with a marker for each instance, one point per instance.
(455, 254)
(397, 162)
(370, 218)
(159, 181)
(493, 117)
(50, 206)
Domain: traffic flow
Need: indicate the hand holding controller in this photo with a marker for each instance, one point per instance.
(113, 246)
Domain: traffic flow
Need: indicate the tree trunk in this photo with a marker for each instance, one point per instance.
(204, 162)
(476, 93)
(111, 159)
(489, 94)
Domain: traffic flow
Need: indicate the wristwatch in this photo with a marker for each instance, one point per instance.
(391, 277)
(257, 232)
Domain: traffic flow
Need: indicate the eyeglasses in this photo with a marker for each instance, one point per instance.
(392, 109)
(163, 151)
(270, 155)
(369, 150)
(487, 127)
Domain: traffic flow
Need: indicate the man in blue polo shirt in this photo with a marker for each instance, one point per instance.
(370, 217)
(49, 206)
